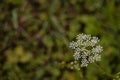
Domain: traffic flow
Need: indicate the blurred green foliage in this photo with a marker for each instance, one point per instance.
(35, 34)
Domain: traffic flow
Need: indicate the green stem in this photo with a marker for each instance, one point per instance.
(117, 73)
(81, 75)
(103, 70)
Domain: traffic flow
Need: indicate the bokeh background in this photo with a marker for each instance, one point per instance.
(35, 34)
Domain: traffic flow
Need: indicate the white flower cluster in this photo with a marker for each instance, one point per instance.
(86, 49)
(117, 78)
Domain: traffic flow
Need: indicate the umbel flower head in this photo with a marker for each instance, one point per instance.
(86, 49)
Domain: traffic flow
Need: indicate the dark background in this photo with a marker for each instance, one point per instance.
(35, 34)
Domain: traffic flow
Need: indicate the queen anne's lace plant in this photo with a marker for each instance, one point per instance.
(86, 49)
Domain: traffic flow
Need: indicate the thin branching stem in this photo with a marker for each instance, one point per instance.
(103, 70)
